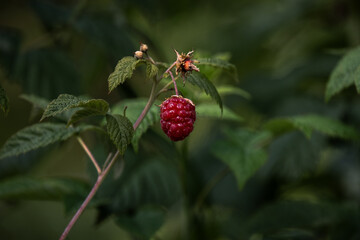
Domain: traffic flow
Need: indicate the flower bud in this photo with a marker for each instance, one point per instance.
(143, 47)
(139, 54)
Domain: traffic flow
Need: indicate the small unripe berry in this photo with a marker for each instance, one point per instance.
(143, 48)
(139, 54)
(177, 116)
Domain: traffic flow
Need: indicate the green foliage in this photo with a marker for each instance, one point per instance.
(36, 136)
(120, 130)
(288, 162)
(65, 102)
(4, 101)
(123, 71)
(203, 83)
(147, 181)
(46, 72)
(93, 107)
(86, 112)
(143, 193)
(27, 188)
(345, 74)
(221, 64)
(151, 70)
(231, 90)
(242, 152)
(308, 123)
(283, 56)
(288, 215)
(144, 223)
(212, 111)
(357, 78)
(133, 111)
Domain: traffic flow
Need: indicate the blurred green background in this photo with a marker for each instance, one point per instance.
(284, 51)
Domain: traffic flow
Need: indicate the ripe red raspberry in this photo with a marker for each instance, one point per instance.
(177, 117)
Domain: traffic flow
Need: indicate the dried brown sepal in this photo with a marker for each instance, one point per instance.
(178, 96)
(184, 63)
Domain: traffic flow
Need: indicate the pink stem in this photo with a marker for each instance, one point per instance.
(147, 107)
(96, 165)
(103, 173)
(88, 198)
(173, 79)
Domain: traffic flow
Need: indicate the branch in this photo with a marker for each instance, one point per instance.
(165, 88)
(147, 107)
(93, 160)
(172, 77)
(173, 80)
(107, 168)
(96, 186)
(106, 161)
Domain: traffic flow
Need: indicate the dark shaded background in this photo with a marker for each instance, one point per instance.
(284, 52)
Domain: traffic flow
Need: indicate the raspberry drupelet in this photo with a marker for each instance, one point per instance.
(177, 116)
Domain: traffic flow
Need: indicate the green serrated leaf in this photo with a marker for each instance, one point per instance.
(60, 104)
(231, 90)
(65, 102)
(133, 111)
(203, 83)
(289, 162)
(291, 215)
(357, 79)
(144, 223)
(83, 113)
(123, 71)
(36, 136)
(279, 126)
(4, 101)
(242, 152)
(309, 123)
(344, 74)
(41, 189)
(120, 130)
(146, 182)
(219, 63)
(151, 70)
(212, 111)
(92, 107)
(325, 125)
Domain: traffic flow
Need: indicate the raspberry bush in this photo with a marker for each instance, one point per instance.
(176, 149)
(125, 122)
